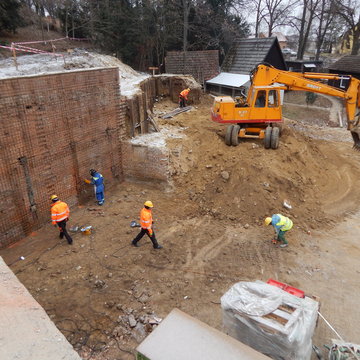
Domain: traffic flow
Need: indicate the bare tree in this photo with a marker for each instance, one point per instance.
(308, 15)
(276, 13)
(257, 7)
(349, 10)
(325, 15)
(186, 5)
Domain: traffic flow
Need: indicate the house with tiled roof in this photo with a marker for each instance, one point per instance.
(242, 58)
(347, 65)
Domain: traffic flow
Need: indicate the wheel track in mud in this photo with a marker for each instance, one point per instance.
(236, 247)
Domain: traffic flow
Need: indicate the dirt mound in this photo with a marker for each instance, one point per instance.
(247, 183)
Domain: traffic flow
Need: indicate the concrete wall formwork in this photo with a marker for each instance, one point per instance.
(54, 128)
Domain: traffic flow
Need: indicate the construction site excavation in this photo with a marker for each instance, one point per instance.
(204, 183)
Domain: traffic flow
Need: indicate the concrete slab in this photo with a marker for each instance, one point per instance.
(26, 332)
(182, 337)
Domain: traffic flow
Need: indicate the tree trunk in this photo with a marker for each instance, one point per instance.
(186, 11)
(258, 18)
(301, 33)
(356, 39)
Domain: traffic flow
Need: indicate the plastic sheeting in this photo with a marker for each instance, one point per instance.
(270, 320)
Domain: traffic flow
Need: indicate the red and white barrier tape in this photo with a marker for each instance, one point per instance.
(29, 48)
(38, 42)
(36, 51)
(49, 41)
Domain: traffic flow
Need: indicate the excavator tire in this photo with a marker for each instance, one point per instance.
(275, 136)
(280, 127)
(228, 135)
(267, 138)
(235, 135)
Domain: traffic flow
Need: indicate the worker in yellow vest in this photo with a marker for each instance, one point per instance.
(146, 223)
(281, 224)
(59, 216)
(183, 97)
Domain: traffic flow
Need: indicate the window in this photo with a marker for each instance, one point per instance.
(273, 99)
(343, 82)
(260, 99)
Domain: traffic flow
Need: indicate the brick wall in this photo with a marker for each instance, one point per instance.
(54, 128)
(202, 65)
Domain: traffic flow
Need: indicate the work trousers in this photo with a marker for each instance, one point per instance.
(63, 231)
(100, 197)
(99, 193)
(142, 233)
(182, 102)
(281, 237)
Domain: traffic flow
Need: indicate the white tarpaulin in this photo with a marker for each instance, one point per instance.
(270, 320)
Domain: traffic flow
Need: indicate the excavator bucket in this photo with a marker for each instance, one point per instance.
(356, 138)
(354, 127)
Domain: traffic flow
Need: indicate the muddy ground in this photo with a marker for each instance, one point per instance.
(210, 222)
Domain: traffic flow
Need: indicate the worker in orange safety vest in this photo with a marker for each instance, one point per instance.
(183, 97)
(59, 216)
(146, 223)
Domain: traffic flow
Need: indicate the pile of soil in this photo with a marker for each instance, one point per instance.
(247, 182)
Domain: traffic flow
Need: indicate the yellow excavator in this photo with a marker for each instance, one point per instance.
(259, 114)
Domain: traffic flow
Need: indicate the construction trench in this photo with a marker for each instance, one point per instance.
(210, 201)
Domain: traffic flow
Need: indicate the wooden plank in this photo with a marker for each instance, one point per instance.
(152, 121)
(176, 112)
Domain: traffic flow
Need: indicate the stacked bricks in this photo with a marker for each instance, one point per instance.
(54, 128)
(202, 65)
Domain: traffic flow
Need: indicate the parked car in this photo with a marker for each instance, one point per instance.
(287, 51)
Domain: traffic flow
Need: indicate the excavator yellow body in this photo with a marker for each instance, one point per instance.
(259, 115)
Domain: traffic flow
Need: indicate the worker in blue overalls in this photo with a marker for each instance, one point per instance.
(98, 181)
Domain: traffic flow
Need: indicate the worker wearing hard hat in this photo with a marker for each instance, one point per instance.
(281, 224)
(59, 216)
(183, 97)
(98, 181)
(146, 223)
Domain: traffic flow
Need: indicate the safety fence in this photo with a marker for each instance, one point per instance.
(23, 46)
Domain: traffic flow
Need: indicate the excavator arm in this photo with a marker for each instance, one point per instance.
(265, 75)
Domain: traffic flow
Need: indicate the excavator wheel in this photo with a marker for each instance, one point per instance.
(228, 135)
(275, 135)
(235, 135)
(280, 127)
(267, 138)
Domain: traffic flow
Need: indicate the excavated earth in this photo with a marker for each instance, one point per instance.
(103, 294)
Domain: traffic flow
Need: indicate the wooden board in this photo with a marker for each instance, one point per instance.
(152, 121)
(176, 112)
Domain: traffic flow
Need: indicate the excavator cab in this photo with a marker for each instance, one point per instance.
(266, 105)
(252, 117)
(260, 115)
